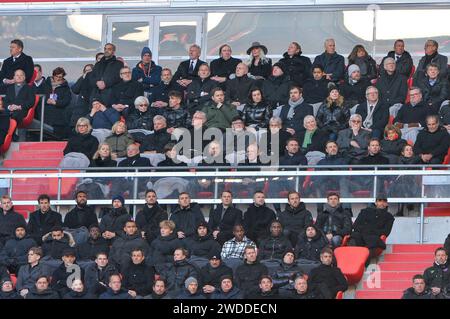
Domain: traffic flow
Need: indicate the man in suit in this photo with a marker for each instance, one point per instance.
(19, 97)
(402, 58)
(17, 60)
(374, 113)
(188, 70)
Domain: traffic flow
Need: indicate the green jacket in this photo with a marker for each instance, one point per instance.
(119, 143)
(220, 118)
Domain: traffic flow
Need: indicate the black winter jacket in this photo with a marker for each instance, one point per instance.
(256, 115)
(337, 223)
(40, 224)
(273, 247)
(56, 114)
(295, 218)
(437, 275)
(276, 90)
(139, 278)
(9, 223)
(328, 280)
(239, 88)
(82, 143)
(148, 220)
(125, 93)
(232, 216)
(15, 251)
(186, 219)
(176, 274)
(433, 95)
(96, 280)
(202, 246)
(156, 141)
(298, 67)
(89, 249)
(333, 118)
(436, 143)
(162, 248)
(247, 277)
(60, 276)
(120, 253)
(80, 216)
(392, 88)
(315, 91)
(257, 221)
(211, 276)
(310, 249)
(115, 220)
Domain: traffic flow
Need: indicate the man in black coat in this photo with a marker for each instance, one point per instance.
(64, 271)
(187, 216)
(310, 243)
(223, 218)
(212, 273)
(326, 278)
(392, 84)
(432, 56)
(354, 89)
(403, 60)
(266, 289)
(9, 220)
(43, 220)
(374, 113)
(435, 89)
(239, 87)
(138, 276)
(105, 74)
(276, 87)
(247, 276)
(28, 274)
(17, 61)
(202, 244)
(294, 111)
(154, 143)
(258, 217)
(81, 215)
(95, 244)
(333, 63)
(151, 215)
(19, 97)
(297, 67)
(371, 223)
(374, 156)
(97, 275)
(114, 220)
(295, 217)
(437, 277)
(198, 92)
(418, 290)
(316, 88)
(274, 246)
(55, 242)
(302, 290)
(223, 67)
(432, 142)
(124, 93)
(41, 290)
(15, 253)
(122, 247)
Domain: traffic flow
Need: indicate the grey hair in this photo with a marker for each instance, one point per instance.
(141, 100)
(356, 116)
(195, 46)
(329, 40)
(389, 59)
(307, 118)
(276, 120)
(159, 118)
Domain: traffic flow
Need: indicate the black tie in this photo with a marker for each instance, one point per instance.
(371, 108)
(191, 67)
(397, 57)
(223, 213)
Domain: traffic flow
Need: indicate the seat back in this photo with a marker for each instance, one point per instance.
(30, 115)
(351, 261)
(8, 138)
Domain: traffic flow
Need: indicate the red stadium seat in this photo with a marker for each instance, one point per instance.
(33, 78)
(13, 280)
(30, 115)
(378, 251)
(8, 139)
(447, 158)
(340, 295)
(351, 261)
(205, 195)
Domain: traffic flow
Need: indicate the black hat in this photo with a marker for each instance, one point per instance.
(202, 224)
(332, 86)
(69, 252)
(57, 228)
(98, 99)
(214, 255)
(280, 65)
(257, 45)
(289, 250)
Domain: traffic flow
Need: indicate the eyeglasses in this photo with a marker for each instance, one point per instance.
(143, 105)
(82, 125)
(414, 94)
(356, 121)
(122, 73)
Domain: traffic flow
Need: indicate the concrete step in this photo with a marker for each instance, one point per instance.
(414, 248)
(388, 285)
(411, 266)
(42, 146)
(409, 257)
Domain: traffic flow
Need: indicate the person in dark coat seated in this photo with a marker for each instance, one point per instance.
(198, 92)
(147, 72)
(258, 217)
(105, 74)
(141, 118)
(159, 290)
(247, 275)
(419, 290)
(360, 57)
(102, 117)
(256, 112)
(82, 214)
(78, 291)
(353, 141)
(61, 274)
(333, 63)
(276, 87)
(82, 141)
(115, 289)
(138, 275)
(125, 93)
(114, 219)
(154, 143)
(19, 97)
(437, 277)
(227, 289)
(297, 67)
(160, 95)
(259, 66)
(17, 61)
(274, 246)
(56, 242)
(14, 253)
(43, 220)
(188, 69)
(327, 279)
(202, 244)
(97, 275)
(334, 221)
(392, 84)
(354, 88)
(212, 273)
(9, 220)
(374, 156)
(266, 289)
(7, 291)
(374, 113)
(165, 244)
(239, 87)
(312, 139)
(432, 142)
(223, 218)
(310, 243)
(150, 216)
(57, 98)
(191, 290)
(316, 88)
(392, 144)
(432, 56)
(94, 245)
(41, 290)
(371, 223)
(302, 290)
(186, 216)
(295, 217)
(223, 67)
(283, 276)
(402, 58)
(83, 91)
(176, 272)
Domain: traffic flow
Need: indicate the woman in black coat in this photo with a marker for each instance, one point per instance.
(318, 138)
(57, 98)
(259, 66)
(333, 115)
(82, 141)
(392, 144)
(256, 112)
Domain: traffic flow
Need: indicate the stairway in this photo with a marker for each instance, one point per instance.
(397, 269)
(37, 155)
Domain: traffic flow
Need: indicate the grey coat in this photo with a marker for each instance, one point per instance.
(346, 136)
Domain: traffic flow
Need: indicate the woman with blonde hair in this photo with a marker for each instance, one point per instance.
(259, 66)
(82, 141)
(102, 158)
(119, 140)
